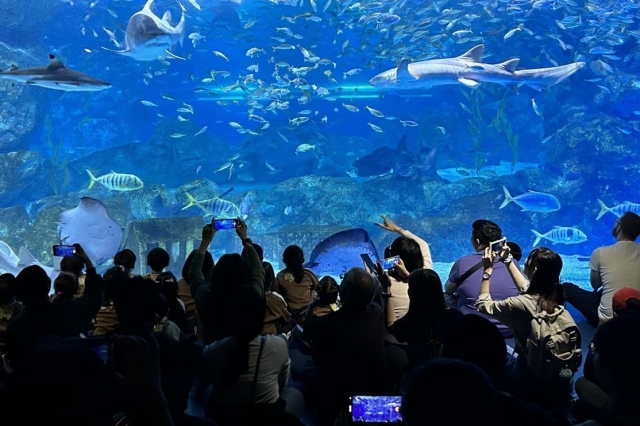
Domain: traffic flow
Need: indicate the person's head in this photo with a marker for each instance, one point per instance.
(73, 264)
(357, 289)
(115, 278)
(484, 232)
(158, 259)
(627, 226)
(616, 348)
(626, 301)
(231, 270)
(7, 289)
(33, 285)
(477, 340)
(125, 258)
(207, 265)
(258, 249)
(65, 285)
(430, 389)
(327, 290)
(136, 306)
(293, 259)
(426, 298)
(409, 251)
(515, 250)
(543, 267)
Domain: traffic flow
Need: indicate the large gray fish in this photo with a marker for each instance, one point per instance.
(55, 76)
(117, 181)
(532, 201)
(340, 252)
(89, 225)
(618, 210)
(148, 36)
(561, 235)
(469, 70)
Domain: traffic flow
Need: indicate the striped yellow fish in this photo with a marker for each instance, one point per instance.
(216, 207)
(117, 181)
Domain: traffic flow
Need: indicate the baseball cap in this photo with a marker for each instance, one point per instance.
(622, 296)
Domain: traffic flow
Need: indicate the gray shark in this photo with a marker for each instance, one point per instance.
(55, 76)
(148, 36)
(469, 70)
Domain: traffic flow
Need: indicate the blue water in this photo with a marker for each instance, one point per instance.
(578, 143)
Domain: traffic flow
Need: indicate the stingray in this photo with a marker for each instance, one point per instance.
(90, 226)
(340, 252)
(13, 264)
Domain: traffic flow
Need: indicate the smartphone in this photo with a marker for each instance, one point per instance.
(390, 262)
(99, 345)
(497, 246)
(366, 409)
(219, 224)
(63, 250)
(368, 261)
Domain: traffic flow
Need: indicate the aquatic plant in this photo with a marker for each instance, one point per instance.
(476, 125)
(501, 125)
(59, 175)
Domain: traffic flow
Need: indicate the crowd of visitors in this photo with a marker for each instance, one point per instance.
(232, 342)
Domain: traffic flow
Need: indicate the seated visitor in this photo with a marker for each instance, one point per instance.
(296, 283)
(9, 305)
(106, 321)
(465, 277)
(612, 268)
(414, 254)
(530, 376)
(326, 301)
(127, 259)
(74, 265)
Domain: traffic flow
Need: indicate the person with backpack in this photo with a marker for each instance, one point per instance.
(547, 338)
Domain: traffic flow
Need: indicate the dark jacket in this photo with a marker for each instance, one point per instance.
(78, 312)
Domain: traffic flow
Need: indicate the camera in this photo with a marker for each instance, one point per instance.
(373, 409)
(389, 262)
(63, 250)
(219, 224)
(497, 246)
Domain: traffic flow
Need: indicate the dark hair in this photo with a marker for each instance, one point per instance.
(632, 309)
(7, 288)
(158, 259)
(293, 258)
(269, 276)
(617, 342)
(115, 279)
(429, 389)
(126, 258)
(72, 264)
(357, 289)
(485, 231)
(475, 339)
(231, 270)
(246, 319)
(65, 284)
(545, 282)
(259, 251)
(207, 265)
(136, 304)
(409, 251)
(426, 302)
(630, 225)
(32, 285)
(515, 250)
(327, 290)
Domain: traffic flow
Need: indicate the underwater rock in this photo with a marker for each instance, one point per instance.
(21, 114)
(21, 21)
(14, 225)
(25, 177)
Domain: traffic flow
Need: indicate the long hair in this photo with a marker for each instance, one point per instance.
(409, 252)
(426, 301)
(545, 282)
(293, 258)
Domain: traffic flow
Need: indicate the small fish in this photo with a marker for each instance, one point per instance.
(287, 210)
(194, 4)
(235, 125)
(112, 13)
(148, 103)
(442, 129)
(547, 139)
(408, 123)
(283, 138)
(198, 169)
(350, 107)
(511, 33)
(181, 118)
(221, 55)
(532, 201)
(535, 108)
(304, 147)
(298, 120)
(466, 108)
(116, 181)
(201, 131)
(624, 130)
(618, 210)
(224, 167)
(177, 135)
(375, 112)
(249, 24)
(376, 128)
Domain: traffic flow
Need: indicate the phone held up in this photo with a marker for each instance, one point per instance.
(219, 224)
(61, 250)
(390, 262)
(373, 409)
(497, 246)
(368, 261)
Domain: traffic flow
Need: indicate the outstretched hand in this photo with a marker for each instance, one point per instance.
(487, 259)
(208, 231)
(387, 224)
(241, 229)
(383, 277)
(82, 254)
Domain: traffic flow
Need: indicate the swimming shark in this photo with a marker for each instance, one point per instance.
(148, 36)
(55, 76)
(469, 70)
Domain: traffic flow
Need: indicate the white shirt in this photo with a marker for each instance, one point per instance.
(273, 373)
(619, 266)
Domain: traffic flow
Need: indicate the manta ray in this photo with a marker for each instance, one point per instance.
(148, 36)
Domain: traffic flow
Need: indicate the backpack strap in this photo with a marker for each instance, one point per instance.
(255, 376)
(462, 278)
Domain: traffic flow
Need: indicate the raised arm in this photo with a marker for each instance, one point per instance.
(195, 278)
(389, 225)
(257, 280)
(518, 278)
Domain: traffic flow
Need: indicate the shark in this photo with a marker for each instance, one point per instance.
(55, 76)
(468, 69)
(148, 36)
